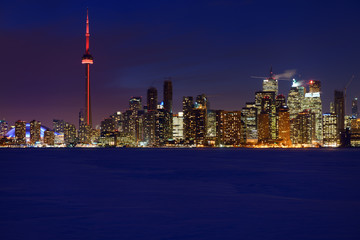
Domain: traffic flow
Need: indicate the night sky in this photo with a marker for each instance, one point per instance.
(211, 47)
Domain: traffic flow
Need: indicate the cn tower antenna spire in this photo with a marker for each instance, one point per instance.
(87, 34)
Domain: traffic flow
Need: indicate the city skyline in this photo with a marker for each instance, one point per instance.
(57, 101)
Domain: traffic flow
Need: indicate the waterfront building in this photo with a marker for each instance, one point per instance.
(162, 123)
(58, 125)
(355, 133)
(267, 100)
(20, 132)
(229, 127)
(211, 124)
(263, 127)
(49, 137)
(330, 134)
(178, 126)
(284, 125)
(69, 133)
(149, 128)
(4, 128)
(35, 131)
(249, 124)
(304, 128)
(84, 132)
(199, 117)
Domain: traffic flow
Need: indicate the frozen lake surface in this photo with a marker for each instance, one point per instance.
(179, 194)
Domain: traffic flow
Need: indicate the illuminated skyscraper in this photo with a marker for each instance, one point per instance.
(295, 99)
(267, 100)
(312, 101)
(135, 103)
(4, 128)
(178, 126)
(20, 132)
(107, 125)
(304, 128)
(168, 103)
(87, 59)
(229, 127)
(188, 104)
(69, 133)
(330, 134)
(211, 123)
(199, 117)
(339, 105)
(270, 84)
(249, 124)
(49, 138)
(355, 133)
(84, 132)
(284, 125)
(354, 107)
(162, 123)
(314, 86)
(58, 125)
(152, 99)
(34, 131)
(263, 127)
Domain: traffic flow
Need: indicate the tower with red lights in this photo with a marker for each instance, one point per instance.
(87, 59)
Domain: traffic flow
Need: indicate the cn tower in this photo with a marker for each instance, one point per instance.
(87, 59)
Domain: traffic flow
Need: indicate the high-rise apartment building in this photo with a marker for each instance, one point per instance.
(49, 138)
(229, 128)
(4, 128)
(69, 133)
(20, 132)
(35, 131)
